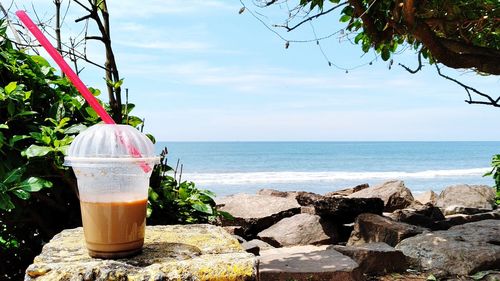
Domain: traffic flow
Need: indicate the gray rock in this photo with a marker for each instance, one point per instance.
(394, 194)
(174, 252)
(459, 219)
(274, 192)
(255, 213)
(347, 191)
(370, 228)
(461, 250)
(262, 245)
(466, 199)
(341, 209)
(307, 263)
(301, 229)
(375, 258)
(250, 247)
(426, 197)
(422, 215)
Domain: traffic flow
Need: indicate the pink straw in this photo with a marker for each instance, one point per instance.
(77, 82)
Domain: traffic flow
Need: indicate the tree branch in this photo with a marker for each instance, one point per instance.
(447, 56)
(419, 67)
(288, 29)
(99, 38)
(469, 89)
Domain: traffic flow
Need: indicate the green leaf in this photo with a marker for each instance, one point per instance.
(91, 112)
(386, 54)
(10, 87)
(95, 92)
(345, 18)
(34, 184)
(40, 61)
(11, 108)
(21, 194)
(17, 138)
(14, 175)
(37, 151)
(183, 193)
(75, 129)
(348, 10)
(118, 84)
(358, 37)
(204, 208)
(24, 113)
(4, 126)
(225, 215)
(151, 138)
(5, 202)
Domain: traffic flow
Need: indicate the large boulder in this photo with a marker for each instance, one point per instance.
(370, 228)
(255, 213)
(173, 252)
(466, 199)
(301, 229)
(461, 250)
(375, 258)
(340, 209)
(394, 194)
(307, 263)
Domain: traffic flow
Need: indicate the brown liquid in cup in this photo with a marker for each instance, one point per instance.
(114, 229)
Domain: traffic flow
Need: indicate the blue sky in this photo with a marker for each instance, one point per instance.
(199, 71)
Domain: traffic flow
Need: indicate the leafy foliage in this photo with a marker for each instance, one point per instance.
(40, 114)
(495, 173)
(458, 33)
(172, 200)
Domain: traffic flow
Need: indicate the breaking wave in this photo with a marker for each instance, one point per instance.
(333, 176)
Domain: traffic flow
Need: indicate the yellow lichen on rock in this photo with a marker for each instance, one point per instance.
(179, 252)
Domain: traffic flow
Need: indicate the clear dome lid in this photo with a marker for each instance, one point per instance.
(110, 141)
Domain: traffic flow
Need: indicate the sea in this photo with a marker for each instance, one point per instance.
(245, 167)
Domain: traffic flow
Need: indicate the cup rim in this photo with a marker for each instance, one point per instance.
(70, 161)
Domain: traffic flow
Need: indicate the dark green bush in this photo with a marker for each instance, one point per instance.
(40, 114)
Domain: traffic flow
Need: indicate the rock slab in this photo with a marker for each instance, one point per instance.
(307, 263)
(341, 209)
(375, 258)
(370, 228)
(466, 199)
(394, 194)
(255, 213)
(176, 252)
(461, 250)
(301, 229)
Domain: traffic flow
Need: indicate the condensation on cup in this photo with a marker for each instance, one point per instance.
(113, 187)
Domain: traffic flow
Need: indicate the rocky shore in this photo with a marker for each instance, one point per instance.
(364, 232)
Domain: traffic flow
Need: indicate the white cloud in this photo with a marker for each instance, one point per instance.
(149, 8)
(167, 45)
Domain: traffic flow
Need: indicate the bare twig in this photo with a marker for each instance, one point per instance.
(469, 89)
(419, 67)
(311, 17)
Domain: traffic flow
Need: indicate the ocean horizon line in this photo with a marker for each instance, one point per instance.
(324, 141)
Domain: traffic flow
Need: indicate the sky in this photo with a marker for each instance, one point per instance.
(197, 70)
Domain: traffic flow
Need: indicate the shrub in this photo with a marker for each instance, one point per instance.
(40, 114)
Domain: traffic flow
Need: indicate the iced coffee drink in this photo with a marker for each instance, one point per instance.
(113, 188)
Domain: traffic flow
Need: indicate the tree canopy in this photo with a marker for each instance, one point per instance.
(460, 34)
(456, 33)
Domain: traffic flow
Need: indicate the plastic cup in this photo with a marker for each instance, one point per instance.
(113, 188)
